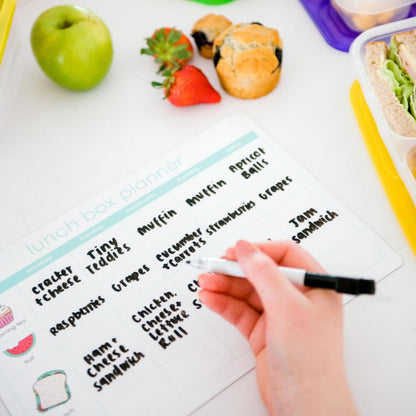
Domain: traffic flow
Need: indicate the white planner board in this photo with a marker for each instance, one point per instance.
(99, 311)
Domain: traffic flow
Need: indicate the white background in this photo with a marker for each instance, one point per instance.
(58, 148)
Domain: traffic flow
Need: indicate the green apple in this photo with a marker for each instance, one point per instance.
(72, 46)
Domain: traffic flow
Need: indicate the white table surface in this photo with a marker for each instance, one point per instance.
(58, 148)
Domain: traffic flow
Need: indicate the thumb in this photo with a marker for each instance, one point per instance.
(270, 283)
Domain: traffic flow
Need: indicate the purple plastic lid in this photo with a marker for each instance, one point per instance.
(330, 23)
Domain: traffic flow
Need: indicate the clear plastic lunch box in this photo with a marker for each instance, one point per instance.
(402, 149)
(360, 15)
(393, 155)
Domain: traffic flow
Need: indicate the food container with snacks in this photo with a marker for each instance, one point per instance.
(360, 15)
(389, 129)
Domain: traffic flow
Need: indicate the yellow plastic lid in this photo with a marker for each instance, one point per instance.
(396, 191)
(6, 16)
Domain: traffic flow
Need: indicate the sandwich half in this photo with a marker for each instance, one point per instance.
(392, 71)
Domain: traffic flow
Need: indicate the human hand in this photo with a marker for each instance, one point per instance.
(295, 333)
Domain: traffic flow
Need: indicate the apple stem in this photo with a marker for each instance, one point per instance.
(65, 24)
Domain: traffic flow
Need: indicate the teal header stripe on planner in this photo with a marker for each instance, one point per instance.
(123, 213)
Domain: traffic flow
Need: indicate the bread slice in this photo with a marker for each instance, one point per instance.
(408, 38)
(396, 116)
(51, 390)
(406, 42)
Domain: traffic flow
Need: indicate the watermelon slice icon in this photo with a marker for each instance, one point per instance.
(22, 347)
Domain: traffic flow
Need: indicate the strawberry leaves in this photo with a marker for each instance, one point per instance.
(169, 47)
(169, 79)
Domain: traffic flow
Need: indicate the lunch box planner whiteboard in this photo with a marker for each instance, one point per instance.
(110, 279)
(99, 312)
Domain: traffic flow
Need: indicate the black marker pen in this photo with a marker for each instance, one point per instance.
(340, 284)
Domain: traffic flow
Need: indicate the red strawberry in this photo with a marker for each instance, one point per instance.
(169, 47)
(188, 86)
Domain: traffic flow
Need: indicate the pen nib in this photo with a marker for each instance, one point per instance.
(198, 263)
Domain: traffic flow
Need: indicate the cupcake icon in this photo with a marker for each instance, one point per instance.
(6, 316)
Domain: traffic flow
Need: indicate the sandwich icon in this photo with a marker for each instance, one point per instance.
(51, 390)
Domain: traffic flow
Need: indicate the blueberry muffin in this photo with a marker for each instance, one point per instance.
(248, 59)
(206, 30)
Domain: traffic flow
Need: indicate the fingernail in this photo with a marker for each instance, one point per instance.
(229, 252)
(202, 279)
(201, 295)
(245, 248)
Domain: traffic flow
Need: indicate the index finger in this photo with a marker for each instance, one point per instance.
(261, 270)
(285, 253)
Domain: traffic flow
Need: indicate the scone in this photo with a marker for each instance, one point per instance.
(206, 30)
(248, 59)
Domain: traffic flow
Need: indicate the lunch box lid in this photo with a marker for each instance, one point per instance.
(7, 8)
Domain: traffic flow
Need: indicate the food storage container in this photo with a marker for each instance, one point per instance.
(360, 15)
(393, 154)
